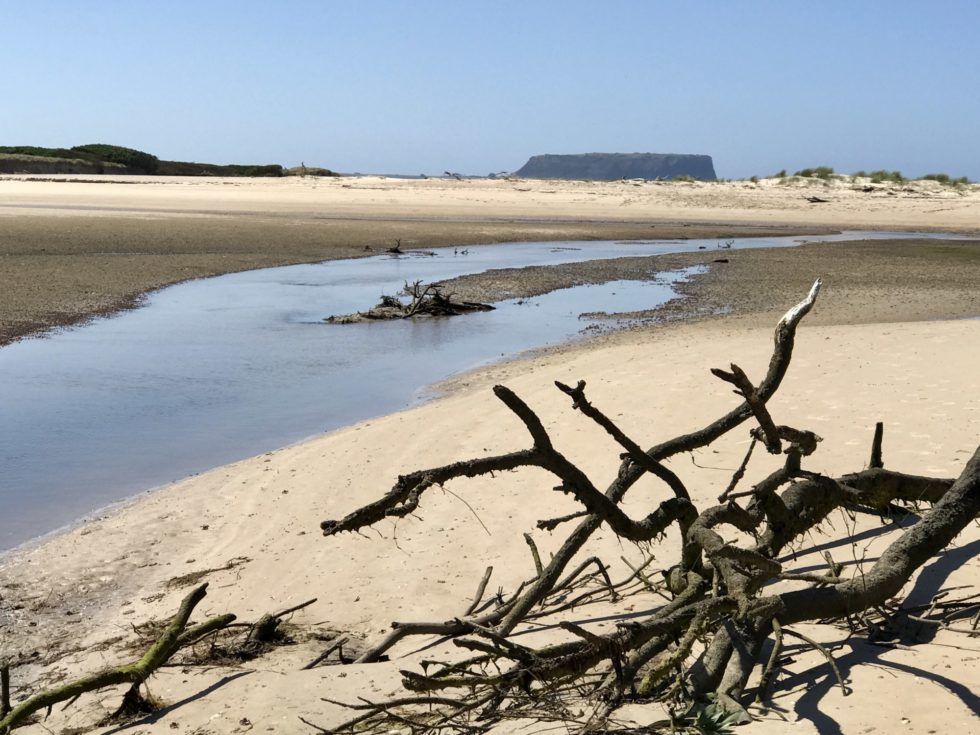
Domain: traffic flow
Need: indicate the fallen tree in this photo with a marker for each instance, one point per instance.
(424, 300)
(695, 653)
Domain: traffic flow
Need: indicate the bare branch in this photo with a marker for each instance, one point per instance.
(134, 673)
(740, 380)
(633, 450)
(876, 462)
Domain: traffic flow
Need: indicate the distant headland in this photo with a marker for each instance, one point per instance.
(612, 166)
(100, 158)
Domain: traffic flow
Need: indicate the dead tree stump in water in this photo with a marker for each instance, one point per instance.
(424, 300)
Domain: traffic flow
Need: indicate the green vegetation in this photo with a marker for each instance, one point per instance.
(135, 161)
(820, 172)
(104, 158)
(946, 179)
(880, 177)
(309, 171)
(187, 168)
(33, 150)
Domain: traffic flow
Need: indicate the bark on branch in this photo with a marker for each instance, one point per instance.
(135, 673)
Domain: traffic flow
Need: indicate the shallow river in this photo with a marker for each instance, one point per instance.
(212, 371)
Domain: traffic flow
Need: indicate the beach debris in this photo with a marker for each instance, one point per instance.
(266, 629)
(817, 200)
(162, 642)
(336, 644)
(424, 300)
(175, 636)
(707, 618)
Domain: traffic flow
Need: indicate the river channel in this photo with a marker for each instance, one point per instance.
(212, 371)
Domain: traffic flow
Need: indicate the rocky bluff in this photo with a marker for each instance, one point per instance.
(612, 166)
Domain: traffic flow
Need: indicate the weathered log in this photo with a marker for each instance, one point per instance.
(135, 673)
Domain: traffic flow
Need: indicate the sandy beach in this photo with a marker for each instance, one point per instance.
(72, 247)
(888, 341)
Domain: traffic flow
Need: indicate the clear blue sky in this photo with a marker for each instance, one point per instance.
(420, 86)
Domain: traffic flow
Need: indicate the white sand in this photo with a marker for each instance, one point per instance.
(922, 205)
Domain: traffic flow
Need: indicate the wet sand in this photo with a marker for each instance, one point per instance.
(62, 270)
(74, 247)
(865, 281)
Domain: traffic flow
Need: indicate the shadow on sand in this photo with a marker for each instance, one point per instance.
(818, 680)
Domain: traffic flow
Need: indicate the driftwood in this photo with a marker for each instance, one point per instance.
(4, 690)
(423, 301)
(176, 636)
(266, 628)
(258, 637)
(696, 651)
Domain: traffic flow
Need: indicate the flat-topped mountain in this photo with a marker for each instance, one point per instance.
(612, 166)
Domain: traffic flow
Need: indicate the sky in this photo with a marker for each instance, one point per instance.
(423, 86)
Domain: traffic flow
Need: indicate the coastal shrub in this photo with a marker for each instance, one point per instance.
(22, 163)
(946, 179)
(881, 176)
(271, 169)
(309, 171)
(189, 168)
(33, 150)
(140, 162)
(860, 174)
(780, 175)
(820, 172)
(136, 161)
(683, 177)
